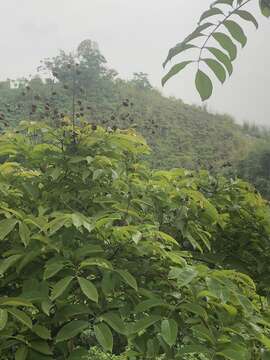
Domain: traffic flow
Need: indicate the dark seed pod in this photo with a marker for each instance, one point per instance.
(37, 97)
(77, 115)
(125, 103)
(94, 127)
(79, 102)
(66, 87)
(81, 114)
(81, 108)
(89, 107)
(54, 93)
(28, 88)
(55, 74)
(114, 128)
(112, 117)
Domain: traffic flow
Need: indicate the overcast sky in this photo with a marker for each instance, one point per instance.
(134, 35)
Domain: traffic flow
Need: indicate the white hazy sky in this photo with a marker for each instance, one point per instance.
(134, 35)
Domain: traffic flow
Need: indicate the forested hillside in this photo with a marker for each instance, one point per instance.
(82, 86)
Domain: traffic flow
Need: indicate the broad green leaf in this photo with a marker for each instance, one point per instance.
(217, 69)
(265, 7)
(79, 354)
(236, 31)
(203, 85)
(222, 57)
(227, 44)
(246, 15)
(21, 316)
(3, 318)
(89, 289)
(42, 332)
(113, 319)
(6, 226)
(104, 336)
(24, 233)
(149, 304)
(144, 323)
(211, 12)
(21, 353)
(5, 264)
(52, 269)
(41, 346)
(59, 288)
(99, 262)
(15, 302)
(174, 70)
(71, 330)
(128, 278)
(169, 330)
(184, 276)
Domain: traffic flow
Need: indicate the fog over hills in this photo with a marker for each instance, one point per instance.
(134, 36)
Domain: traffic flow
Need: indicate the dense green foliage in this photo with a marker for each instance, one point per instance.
(215, 42)
(99, 250)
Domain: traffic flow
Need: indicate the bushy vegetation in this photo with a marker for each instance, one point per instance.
(98, 250)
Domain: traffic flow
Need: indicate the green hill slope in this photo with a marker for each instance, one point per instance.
(83, 87)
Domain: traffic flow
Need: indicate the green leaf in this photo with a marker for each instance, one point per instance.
(211, 12)
(222, 57)
(104, 336)
(174, 70)
(115, 322)
(149, 304)
(71, 330)
(177, 50)
(6, 226)
(128, 278)
(227, 44)
(24, 233)
(21, 316)
(8, 262)
(99, 262)
(217, 69)
(89, 289)
(184, 276)
(21, 353)
(79, 354)
(236, 31)
(59, 288)
(204, 85)
(193, 349)
(265, 7)
(169, 330)
(246, 15)
(41, 346)
(52, 269)
(144, 323)
(42, 332)
(3, 318)
(15, 302)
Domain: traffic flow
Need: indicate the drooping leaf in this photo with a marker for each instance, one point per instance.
(24, 233)
(227, 44)
(222, 57)
(59, 288)
(174, 70)
(246, 15)
(128, 278)
(21, 316)
(169, 330)
(144, 323)
(114, 320)
(5, 264)
(104, 336)
(217, 68)
(236, 31)
(21, 353)
(71, 330)
(6, 226)
(204, 85)
(211, 12)
(89, 289)
(52, 269)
